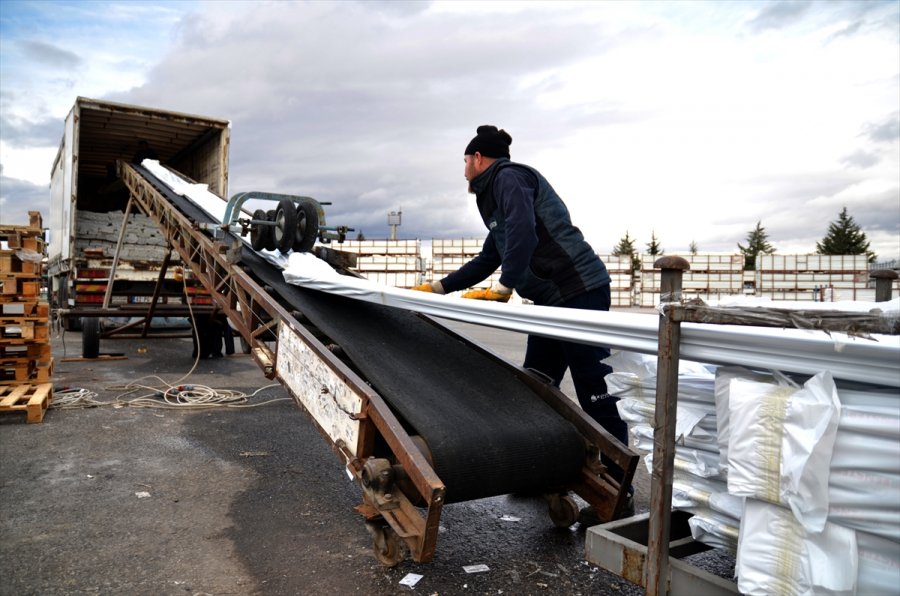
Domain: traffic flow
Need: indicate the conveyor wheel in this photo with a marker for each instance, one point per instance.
(285, 225)
(563, 510)
(307, 227)
(259, 232)
(389, 549)
(270, 237)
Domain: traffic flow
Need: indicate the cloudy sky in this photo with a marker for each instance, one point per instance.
(690, 120)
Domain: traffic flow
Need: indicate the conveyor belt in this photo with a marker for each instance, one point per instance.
(488, 433)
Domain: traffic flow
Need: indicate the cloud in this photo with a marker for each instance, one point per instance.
(886, 131)
(49, 55)
(644, 116)
(19, 132)
(778, 15)
(18, 197)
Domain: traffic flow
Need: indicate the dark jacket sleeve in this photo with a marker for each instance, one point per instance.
(476, 270)
(514, 190)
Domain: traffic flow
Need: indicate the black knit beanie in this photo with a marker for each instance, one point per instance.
(490, 142)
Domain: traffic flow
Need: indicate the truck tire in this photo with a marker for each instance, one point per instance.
(307, 227)
(90, 337)
(285, 225)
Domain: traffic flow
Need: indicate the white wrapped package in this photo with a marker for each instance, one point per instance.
(780, 444)
(714, 530)
(703, 464)
(879, 565)
(687, 419)
(724, 375)
(776, 555)
(690, 493)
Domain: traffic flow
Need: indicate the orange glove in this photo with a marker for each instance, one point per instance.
(498, 293)
(434, 287)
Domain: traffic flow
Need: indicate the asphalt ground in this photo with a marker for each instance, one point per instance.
(122, 499)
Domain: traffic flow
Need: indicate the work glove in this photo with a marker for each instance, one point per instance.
(497, 293)
(434, 287)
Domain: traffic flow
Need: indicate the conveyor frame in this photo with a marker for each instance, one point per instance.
(393, 516)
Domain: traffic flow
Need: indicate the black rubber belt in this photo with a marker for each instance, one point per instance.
(488, 433)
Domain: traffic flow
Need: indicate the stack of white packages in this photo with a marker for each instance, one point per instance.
(802, 482)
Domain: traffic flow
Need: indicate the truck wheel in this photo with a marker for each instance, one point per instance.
(270, 237)
(285, 224)
(90, 337)
(259, 232)
(307, 227)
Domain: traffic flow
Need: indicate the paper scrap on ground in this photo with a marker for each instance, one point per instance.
(411, 579)
(476, 568)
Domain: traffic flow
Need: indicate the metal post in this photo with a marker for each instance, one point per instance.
(115, 264)
(884, 281)
(664, 429)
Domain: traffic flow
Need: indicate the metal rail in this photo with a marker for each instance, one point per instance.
(644, 550)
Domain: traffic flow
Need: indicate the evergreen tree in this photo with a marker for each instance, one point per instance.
(757, 243)
(626, 247)
(844, 237)
(693, 248)
(653, 247)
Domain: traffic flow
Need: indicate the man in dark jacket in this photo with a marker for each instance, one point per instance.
(545, 258)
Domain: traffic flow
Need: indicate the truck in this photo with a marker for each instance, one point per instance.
(96, 239)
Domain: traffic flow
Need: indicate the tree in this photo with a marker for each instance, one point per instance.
(360, 236)
(626, 247)
(844, 237)
(757, 243)
(693, 248)
(653, 247)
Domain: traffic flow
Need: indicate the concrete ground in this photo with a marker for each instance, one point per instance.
(120, 499)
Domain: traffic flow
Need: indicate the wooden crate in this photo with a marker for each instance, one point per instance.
(31, 399)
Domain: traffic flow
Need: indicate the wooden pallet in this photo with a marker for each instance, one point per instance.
(31, 351)
(24, 328)
(20, 307)
(17, 371)
(11, 263)
(19, 287)
(31, 399)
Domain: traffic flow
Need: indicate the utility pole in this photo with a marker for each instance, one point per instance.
(394, 221)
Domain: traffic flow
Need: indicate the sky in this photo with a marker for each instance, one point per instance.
(692, 121)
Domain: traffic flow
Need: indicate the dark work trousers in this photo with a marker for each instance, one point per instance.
(551, 358)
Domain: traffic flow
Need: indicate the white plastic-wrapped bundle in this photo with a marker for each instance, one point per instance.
(777, 555)
(714, 529)
(696, 462)
(690, 493)
(780, 444)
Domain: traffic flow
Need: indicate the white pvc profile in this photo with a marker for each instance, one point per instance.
(875, 360)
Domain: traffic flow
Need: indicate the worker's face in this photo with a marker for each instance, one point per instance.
(475, 165)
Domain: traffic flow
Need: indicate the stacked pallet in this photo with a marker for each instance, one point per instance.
(449, 255)
(394, 263)
(26, 361)
(621, 286)
(710, 276)
(821, 278)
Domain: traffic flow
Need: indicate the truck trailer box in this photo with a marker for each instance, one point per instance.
(88, 203)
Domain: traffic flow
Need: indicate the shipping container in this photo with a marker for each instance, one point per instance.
(88, 203)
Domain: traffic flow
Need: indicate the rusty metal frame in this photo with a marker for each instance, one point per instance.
(654, 562)
(256, 315)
